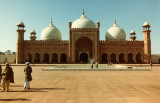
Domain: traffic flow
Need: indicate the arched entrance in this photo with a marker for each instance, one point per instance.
(84, 57)
(138, 58)
(121, 58)
(130, 58)
(113, 58)
(104, 58)
(46, 58)
(37, 57)
(29, 57)
(63, 57)
(54, 57)
(83, 45)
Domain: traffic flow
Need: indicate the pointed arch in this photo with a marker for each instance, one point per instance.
(54, 57)
(121, 58)
(113, 58)
(130, 58)
(63, 57)
(138, 58)
(104, 58)
(46, 58)
(37, 58)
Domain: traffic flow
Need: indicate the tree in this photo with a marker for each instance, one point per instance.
(8, 52)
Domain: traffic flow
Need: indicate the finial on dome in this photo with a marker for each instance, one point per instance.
(51, 20)
(115, 21)
(83, 11)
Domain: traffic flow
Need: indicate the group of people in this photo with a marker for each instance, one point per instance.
(92, 65)
(7, 76)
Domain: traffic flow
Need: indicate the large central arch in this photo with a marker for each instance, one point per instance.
(83, 45)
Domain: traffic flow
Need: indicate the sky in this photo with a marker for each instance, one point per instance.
(36, 14)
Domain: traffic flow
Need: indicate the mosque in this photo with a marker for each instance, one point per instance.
(84, 44)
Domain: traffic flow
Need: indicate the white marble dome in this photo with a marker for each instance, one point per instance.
(21, 23)
(83, 22)
(33, 32)
(132, 32)
(146, 24)
(51, 33)
(115, 33)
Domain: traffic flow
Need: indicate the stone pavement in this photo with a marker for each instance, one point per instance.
(85, 87)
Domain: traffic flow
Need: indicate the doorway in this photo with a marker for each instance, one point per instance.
(84, 57)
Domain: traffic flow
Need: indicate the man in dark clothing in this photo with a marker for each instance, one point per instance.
(27, 76)
(7, 77)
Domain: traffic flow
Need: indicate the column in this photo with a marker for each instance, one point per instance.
(50, 58)
(126, 57)
(109, 57)
(117, 57)
(59, 57)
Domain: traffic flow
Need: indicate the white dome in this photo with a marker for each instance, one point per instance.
(115, 33)
(132, 31)
(146, 23)
(33, 32)
(21, 23)
(51, 33)
(83, 22)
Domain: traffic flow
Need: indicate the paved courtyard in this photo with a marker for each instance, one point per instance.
(85, 87)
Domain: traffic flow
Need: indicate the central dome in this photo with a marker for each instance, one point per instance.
(115, 33)
(51, 33)
(83, 22)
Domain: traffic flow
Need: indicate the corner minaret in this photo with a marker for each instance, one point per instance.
(147, 42)
(20, 43)
(132, 35)
(33, 35)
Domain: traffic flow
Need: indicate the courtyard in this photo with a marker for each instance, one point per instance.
(85, 86)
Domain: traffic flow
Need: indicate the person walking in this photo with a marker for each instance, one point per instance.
(27, 76)
(0, 74)
(96, 64)
(91, 65)
(7, 77)
(150, 66)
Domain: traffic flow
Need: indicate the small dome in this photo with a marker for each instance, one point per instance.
(115, 33)
(20, 23)
(51, 33)
(146, 24)
(33, 32)
(83, 22)
(132, 32)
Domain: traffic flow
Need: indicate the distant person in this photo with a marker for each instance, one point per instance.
(91, 65)
(110, 63)
(0, 74)
(96, 64)
(150, 66)
(7, 77)
(27, 76)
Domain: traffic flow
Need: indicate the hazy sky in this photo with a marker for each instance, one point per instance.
(36, 14)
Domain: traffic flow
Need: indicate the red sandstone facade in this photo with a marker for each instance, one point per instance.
(83, 45)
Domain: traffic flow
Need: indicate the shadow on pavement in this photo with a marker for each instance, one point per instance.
(48, 89)
(19, 99)
(28, 91)
(16, 86)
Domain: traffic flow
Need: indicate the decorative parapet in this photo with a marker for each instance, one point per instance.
(121, 41)
(84, 29)
(46, 42)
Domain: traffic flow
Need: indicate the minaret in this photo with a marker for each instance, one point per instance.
(33, 35)
(147, 42)
(132, 35)
(20, 43)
